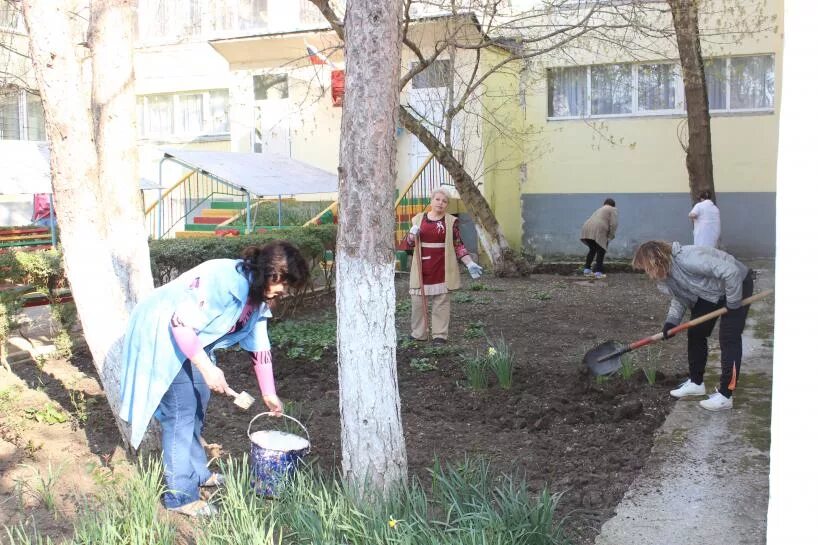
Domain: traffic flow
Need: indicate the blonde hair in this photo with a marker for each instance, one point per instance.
(654, 257)
(440, 190)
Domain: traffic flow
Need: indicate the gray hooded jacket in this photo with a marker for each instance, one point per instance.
(701, 271)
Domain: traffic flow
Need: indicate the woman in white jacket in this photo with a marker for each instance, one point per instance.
(706, 221)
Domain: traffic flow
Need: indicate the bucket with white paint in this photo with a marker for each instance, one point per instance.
(275, 456)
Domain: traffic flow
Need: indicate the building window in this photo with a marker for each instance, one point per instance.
(568, 92)
(611, 89)
(734, 84)
(437, 74)
(252, 15)
(309, 15)
(267, 86)
(21, 115)
(752, 83)
(657, 87)
(184, 115)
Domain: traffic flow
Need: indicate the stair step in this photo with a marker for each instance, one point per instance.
(200, 226)
(195, 234)
(228, 205)
(216, 213)
(199, 220)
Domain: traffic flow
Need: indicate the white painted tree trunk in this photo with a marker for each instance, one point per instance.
(89, 113)
(371, 428)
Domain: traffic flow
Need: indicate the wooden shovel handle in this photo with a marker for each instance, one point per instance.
(701, 319)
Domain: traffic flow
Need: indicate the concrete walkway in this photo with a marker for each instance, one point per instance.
(707, 479)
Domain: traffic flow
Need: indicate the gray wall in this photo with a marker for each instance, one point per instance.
(552, 222)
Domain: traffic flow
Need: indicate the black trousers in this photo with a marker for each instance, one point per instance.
(594, 249)
(730, 329)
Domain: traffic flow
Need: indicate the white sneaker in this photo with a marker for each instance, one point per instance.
(717, 402)
(587, 272)
(599, 275)
(689, 388)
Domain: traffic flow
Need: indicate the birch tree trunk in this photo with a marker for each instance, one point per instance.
(89, 109)
(372, 440)
(699, 154)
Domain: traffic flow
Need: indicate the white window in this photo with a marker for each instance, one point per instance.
(734, 84)
(437, 74)
(35, 118)
(568, 92)
(252, 15)
(184, 115)
(752, 83)
(715, 76)
(10, 113)
(611, 89)
(657, 87)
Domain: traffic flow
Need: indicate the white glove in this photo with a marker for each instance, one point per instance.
(414, 230)
(475, 270)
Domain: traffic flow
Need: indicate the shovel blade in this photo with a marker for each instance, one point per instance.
(606, 367)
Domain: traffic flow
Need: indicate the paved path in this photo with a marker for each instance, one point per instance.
(706, 481)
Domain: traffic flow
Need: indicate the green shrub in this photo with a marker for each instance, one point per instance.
(293, 213)
(171, 257)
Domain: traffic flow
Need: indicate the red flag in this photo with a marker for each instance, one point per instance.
(315, 56)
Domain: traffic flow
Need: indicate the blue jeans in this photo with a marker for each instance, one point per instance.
(181, 415)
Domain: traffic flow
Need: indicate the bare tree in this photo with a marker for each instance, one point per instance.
(373, 446)
(83, 62)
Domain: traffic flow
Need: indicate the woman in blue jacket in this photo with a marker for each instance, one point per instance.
(168, 370)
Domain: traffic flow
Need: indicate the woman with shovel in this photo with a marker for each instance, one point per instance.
(702, 279)
(435, 238)
(168, 371)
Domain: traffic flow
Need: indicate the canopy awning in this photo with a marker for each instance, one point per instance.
(261, 174)
(24, 167)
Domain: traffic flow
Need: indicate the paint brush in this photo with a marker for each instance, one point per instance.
(242, 400)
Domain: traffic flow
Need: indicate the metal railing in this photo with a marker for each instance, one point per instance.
(183, 199)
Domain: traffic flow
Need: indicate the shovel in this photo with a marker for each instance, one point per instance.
(605, 358)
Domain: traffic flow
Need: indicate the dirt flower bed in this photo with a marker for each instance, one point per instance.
(566, 431)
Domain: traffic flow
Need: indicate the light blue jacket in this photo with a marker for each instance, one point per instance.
(701, 271)
(209, 298)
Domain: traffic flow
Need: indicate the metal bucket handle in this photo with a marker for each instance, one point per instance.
(250, 425)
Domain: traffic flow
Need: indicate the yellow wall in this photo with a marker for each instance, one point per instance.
(576, 156)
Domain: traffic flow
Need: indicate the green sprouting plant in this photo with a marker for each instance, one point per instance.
(438, 351)
(41, 485)
(463, 297)
(650, 375)
(422, 364)
(474, 330)
(80, 405)
(602, 379)
(406, 342)
(403, 307)
(306, 339)
(501, 361)
(627, 369)
(21, 535)
(478, 286)
(542, 295)
(128, 513)
(476, 369)
(47, 414)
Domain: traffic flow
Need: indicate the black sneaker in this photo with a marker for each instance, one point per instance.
(438, 340)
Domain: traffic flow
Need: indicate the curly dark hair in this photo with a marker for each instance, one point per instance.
(277, 261)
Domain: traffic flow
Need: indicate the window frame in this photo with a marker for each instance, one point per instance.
(176, 116)
(680, 110)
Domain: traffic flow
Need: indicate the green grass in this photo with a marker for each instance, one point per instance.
(501, 361)
(474, 330)
(422, 364)
(305, 339)
(41, 486)
(541, 295)
(476, 369)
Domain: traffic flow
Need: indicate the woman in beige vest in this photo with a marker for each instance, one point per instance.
(434, 268)
(597, 231)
